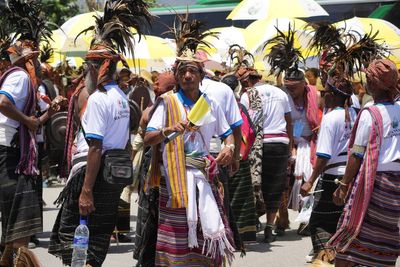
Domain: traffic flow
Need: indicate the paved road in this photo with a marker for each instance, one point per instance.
(289, 250)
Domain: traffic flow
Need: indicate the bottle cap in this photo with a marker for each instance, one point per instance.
(82, 221)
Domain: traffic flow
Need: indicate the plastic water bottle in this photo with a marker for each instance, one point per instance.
(81, 244)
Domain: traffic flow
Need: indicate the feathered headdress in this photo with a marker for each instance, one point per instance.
(240, 57)
(46, 53)
(283, 55)
(345, 51)
(5, 38)
(188, 35)
(113, 29)
(360, 53)
(27, 21)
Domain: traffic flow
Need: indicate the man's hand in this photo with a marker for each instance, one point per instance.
(32, 123)
(86, 205)
(179, 127)
(235, 165)
(57, 104)
(224, 157)
(339, 196)
(305, 188)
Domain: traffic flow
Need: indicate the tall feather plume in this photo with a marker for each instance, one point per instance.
(46, 53)
(27, 20)
(114, 27)
(283, 55)
(240, 57)
(5, 38)
(189, 34)
(360, 53)
(325, 35)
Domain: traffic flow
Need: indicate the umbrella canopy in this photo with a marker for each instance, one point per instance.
(388, 34)
(264, 9)
(225, 37)
(148, 49)
(267, 29)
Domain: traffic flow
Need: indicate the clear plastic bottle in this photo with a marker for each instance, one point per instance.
(81, 244)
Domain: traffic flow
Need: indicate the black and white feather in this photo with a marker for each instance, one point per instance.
(282, 53)
(114, 28)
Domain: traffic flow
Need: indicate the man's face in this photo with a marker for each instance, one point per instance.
(189, 77)
(296, 89)
(124, 76)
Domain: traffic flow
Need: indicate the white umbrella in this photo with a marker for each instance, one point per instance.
(265, 9)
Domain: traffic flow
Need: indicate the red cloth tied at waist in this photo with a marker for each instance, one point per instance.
(267, 136)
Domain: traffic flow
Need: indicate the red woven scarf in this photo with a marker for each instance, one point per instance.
(361, 190)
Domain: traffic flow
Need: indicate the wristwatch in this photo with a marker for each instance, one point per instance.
(231, 147)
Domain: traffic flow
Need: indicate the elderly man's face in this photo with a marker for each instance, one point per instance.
(189, 77)
(295, 89)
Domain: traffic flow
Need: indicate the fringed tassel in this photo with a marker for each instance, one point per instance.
(192, 238)
(218, 244)
(28, 162)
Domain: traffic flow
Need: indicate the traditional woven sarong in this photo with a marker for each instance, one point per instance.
(242, 202)
(274, 165)
(101, 222)
(378, 242)
(147, 219)
(20, 208)
(123, 217)
(325, 215)
(172, 236)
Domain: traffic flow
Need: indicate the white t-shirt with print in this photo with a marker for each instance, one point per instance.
(334, 137)
(390, 148)
(106, 118)
(225, 98)
(15, 88)
(197, 143)
(275, 106)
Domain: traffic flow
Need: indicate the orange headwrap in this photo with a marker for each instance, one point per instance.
(24, 51)
(108, 55)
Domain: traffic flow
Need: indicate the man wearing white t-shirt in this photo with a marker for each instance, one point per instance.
(277, 135)
(332, 144)
(370, 187)
(104, 126)
(225, 98)
(18, 151)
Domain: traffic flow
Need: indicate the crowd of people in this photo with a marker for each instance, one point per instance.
(207, 153)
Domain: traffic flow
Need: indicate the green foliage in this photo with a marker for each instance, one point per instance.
(58, 11)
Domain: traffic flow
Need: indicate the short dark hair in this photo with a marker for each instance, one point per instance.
(231, 81)
(314, 71)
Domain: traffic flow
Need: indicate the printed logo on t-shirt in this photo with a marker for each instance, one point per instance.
(395, 131)
(123, 110)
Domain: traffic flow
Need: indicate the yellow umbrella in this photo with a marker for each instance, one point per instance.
(266, 29)
(264, 9)
(388, 34)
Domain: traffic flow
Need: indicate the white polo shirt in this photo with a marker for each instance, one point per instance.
(197, 143)
(106, 118)
(225, 98)
(15, 88)
(275, 106)
(390, 148)
(333, 139)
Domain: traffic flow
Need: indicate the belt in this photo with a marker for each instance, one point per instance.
(275, 135)
(79, 160)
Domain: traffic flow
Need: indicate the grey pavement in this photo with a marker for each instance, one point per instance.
(289, 250)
